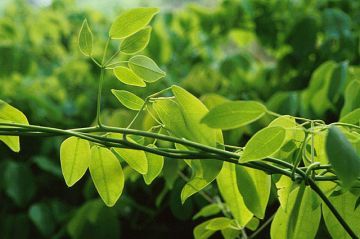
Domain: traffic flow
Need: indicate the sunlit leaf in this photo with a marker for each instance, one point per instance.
(343, 157)
(228, 187)
(136, 42)
(345, 205)
(74, 158)
(155, 165)
(85, 39)
(107, 175)
(235, 114)
(208, 210)
(135, 158)
(146, 68)
(131, 21)
(264, 143)
(128, 99)
(9, 114)
(254, 186)
(126, 76)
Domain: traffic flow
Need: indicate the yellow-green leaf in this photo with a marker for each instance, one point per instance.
(131, 21)
(9, 114)
(74, 158)
(136, 42)
(128, 99)
(135, 158)
(126, 76)
(107, 175)
(264, 143)
(155, 165)
(234, 114)
(85, 39)
(343, 157)
(352, 118)
(146, 68)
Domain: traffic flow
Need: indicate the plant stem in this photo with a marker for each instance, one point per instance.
(98, 103)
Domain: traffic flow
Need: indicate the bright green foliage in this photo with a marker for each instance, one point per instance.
(342, 157)
(284, 187)
(302, 218)
(146, 68)
(228, 186)
(352, 118)
(107, 175)
(345, 204)
(208, 210)
(254, 186)
(136, 42)
(135, 158)
(264, 143)
(155, 165)
(206, 229)
(352, 97)
(131, 21)
(126, 76)
(74, 158)
(9, 114)
(128, 99)
(232, 115)
(85, 39)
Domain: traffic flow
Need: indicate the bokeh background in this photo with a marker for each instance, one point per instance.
(296, 56)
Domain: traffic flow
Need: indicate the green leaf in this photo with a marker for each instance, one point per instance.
(345, 205)
(208, 210)
(155, 165)
(264, 143)
(85, 39)
(219, 223)
(352, 118)
(254, 186)
(135, 158)
(228, 187)
(235, 114)
(107, 175)
(146, 68)
(136, 42)
(43, 218)
(128, 99)
(131, 21)
(200, 231)
(207, 228)
(342, 157)
(302, 218)
(352, 97)
(9, 114)
(74, 158)
(19, 183)
(126, 76)
(284, 187)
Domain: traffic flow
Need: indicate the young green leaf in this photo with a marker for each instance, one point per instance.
(155, 165)
(9, 114)
(131, 21)
(264, 143)
(228, 187)
(302, 218)
(234, 114)
(85, 39)
(74, 158)
(107, 175)
(345, 205)
(135, 158)
(146, 68)
(128, 99)
(126, 76)
(208, 210)
(343, 157)
(136, 42)
(352, 118)
(219, 223)
(254, 186)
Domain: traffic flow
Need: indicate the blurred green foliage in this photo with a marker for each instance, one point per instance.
(298, 57)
